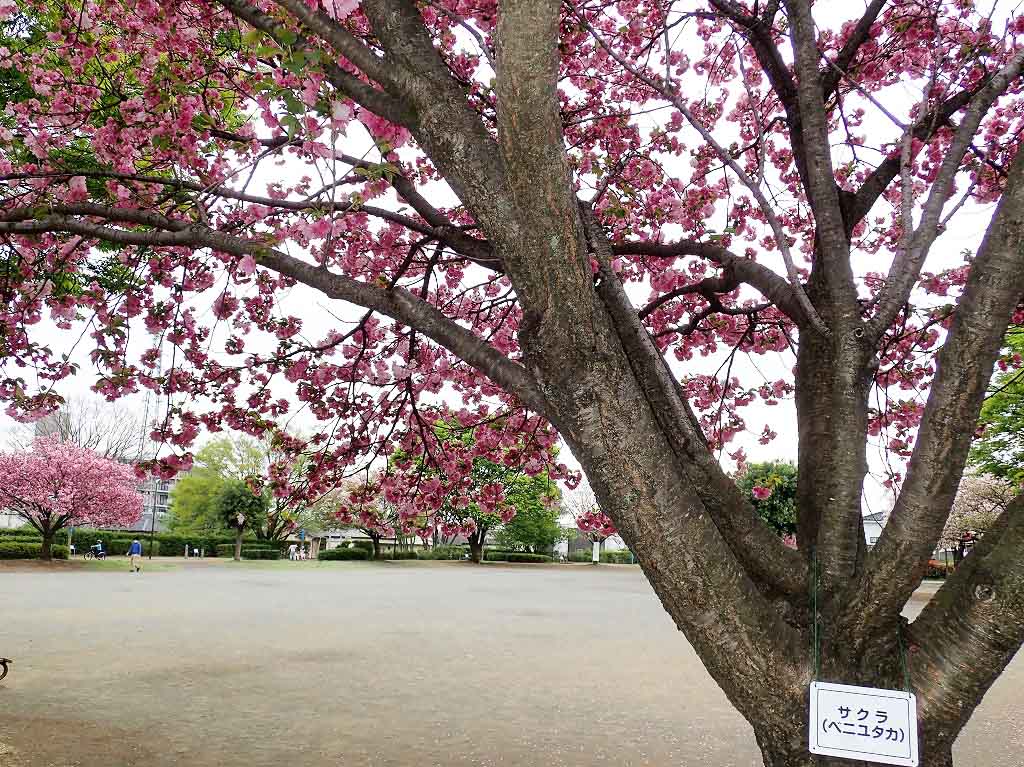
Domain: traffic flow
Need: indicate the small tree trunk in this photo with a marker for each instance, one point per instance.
(45, 553)
(476, 550)
(238, 545)
(377, 553)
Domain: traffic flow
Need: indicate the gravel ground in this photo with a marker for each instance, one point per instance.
(394, 665)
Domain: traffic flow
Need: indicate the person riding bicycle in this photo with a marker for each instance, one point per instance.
(97, 548)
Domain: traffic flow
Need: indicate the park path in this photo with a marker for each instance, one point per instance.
(400, 665)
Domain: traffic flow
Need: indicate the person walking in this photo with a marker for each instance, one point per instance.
(135, 556)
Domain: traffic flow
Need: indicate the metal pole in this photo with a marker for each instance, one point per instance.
(152, 525)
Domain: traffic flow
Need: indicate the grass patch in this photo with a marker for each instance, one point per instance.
(120, 564)
(287, 564)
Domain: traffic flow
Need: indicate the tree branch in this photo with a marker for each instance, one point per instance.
(972, 628)
(822, 190)
(396, 303)
(835, 70)
(857, 204)
(996, 282)
(906, 266)
(772, 286)
(759, 551)
(781, 239)
(377, 101)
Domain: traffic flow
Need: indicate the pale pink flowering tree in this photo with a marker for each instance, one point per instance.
(597, 527)
(55, 485)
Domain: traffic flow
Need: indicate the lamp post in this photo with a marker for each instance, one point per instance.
(152, 522)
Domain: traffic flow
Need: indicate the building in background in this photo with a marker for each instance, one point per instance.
(873, 524)
(156, 502)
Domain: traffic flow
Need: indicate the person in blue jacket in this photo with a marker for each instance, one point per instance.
(135, 556)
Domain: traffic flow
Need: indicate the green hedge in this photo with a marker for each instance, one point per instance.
(29, 550)
(514, 556)
(342, 553)
(250, 550)
(260, 553)
(408, 554)
(621, 557)
(443, 552)
(581, 556)
(170, 545)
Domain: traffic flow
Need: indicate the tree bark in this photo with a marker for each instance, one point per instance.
(476, 550)
(45, 552)
(375, 540)
(238, 545)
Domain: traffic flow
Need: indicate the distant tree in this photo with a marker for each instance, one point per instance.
(233, 457)
(592, 523)
(262, 464)
(465, 491)
(771, 488)
(194, 508)
(111, 430)
(240, 508)
(978, 504)
(193, 504)
(535, 526)
(999, 448)
(55, 485)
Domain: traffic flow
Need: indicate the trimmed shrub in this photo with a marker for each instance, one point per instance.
(623, 557)
(410, 554)
(25, 531)
(260, 553)
(444, 552)
(365, 545)
(29, 550)
(514, 556)
(122, 545)
(581, 556)
(342, 553)
(228, 549)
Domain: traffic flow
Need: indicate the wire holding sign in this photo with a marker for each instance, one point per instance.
(863, 723)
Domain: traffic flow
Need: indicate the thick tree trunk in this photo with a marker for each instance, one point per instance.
(238, 545)
(45, 553)
(783, 743)
(375, 540)
(476, 550)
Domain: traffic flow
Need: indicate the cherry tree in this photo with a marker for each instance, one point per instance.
(979, 502)
(56, 485)
(451, 476)
(593, 524)
(622, 223)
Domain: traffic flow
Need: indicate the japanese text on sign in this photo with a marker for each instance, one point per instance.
(863, 723)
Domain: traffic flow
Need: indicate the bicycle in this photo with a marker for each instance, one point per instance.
(4, 663)
(93, 554)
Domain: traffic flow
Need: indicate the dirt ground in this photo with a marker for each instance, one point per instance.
(354, 664)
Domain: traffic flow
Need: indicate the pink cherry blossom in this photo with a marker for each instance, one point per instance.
(55, 485)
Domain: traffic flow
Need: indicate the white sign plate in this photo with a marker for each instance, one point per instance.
(863, 723)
